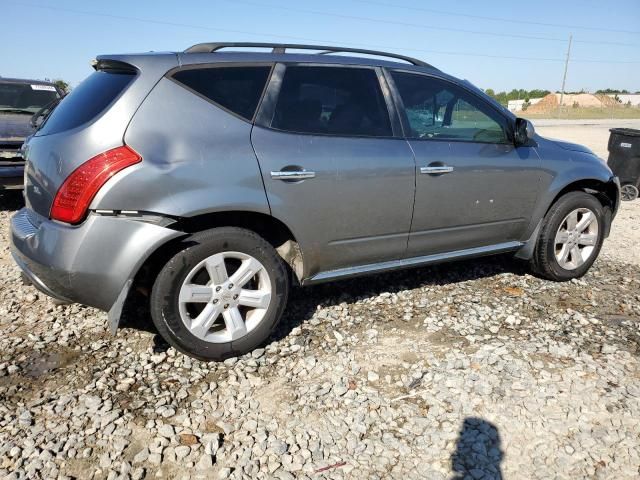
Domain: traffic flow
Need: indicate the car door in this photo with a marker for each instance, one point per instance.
(335, 167)
(474, 188)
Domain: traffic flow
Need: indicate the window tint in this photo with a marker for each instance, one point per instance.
(332, 100)
(439, 110)
(86, 101)
(26, 97)
(238, 89)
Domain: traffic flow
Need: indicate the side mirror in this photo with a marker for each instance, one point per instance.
(524, 132)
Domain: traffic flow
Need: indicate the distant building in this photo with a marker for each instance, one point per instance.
(626, 98)
(516, 105)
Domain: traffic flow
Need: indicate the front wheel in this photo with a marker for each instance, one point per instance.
(222, 295)
(571, 237)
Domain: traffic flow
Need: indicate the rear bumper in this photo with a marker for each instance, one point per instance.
(91, 263)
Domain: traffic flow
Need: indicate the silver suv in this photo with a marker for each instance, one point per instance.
(214, 179)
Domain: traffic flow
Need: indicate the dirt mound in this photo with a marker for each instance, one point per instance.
(547, 103)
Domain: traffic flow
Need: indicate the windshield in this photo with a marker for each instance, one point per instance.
(25, 97)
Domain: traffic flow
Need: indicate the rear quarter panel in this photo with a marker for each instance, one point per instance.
(197, 158)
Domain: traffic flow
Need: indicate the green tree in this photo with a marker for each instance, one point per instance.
(62, 85)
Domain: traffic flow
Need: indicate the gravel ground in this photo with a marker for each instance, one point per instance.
(471, 370)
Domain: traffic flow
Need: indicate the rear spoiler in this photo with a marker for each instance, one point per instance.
(114, 66)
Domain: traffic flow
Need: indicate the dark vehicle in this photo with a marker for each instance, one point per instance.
(19, 100)
(214, 180)
(624, 160)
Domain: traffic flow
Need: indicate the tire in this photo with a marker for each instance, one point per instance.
(545, 261)
(193, 281)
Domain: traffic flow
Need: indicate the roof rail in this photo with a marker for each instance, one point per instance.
(282, 48)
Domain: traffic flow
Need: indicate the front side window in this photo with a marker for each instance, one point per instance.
(437, 109)
(332, 101)
(237, 89)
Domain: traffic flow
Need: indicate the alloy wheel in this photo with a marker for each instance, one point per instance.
(225, 297)
(576, 238)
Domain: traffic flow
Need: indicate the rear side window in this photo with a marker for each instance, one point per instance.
(87, 101)
(332, 101)
(236, 89)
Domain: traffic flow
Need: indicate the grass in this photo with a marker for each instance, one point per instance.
(583, 113)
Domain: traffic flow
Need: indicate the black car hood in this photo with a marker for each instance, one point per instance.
(15, 126)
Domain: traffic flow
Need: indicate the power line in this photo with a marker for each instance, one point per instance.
(496, 19)
(306, 39)
(420, 26)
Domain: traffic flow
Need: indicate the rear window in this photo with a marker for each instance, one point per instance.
(87, 101)
(236, 89)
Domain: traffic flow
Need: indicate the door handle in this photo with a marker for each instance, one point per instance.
(436, 170)
(293, 175)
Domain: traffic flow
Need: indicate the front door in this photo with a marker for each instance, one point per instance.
(333, 169)
(474, 188)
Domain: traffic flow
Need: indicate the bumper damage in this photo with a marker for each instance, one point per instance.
(93, 263)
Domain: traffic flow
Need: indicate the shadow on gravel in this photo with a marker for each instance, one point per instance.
(11, 200)
(303, 302)
(478, 451)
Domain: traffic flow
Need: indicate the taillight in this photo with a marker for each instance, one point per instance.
(77, 191)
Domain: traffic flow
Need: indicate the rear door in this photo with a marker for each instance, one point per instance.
(335, 167)
(474, 188)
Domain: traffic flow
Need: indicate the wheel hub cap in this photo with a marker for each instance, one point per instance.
(576, 238)
(224, 297)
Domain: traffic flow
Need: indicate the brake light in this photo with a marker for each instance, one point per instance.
(77, 191)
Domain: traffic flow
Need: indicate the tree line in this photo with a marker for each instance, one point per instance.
(526, 95)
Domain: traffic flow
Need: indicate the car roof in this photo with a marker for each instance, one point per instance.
(25, 81)
(187, 58)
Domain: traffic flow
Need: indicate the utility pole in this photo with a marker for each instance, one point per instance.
(564, 77)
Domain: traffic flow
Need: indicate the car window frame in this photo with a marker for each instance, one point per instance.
(205, 66)
(504, 122)
(267, 108)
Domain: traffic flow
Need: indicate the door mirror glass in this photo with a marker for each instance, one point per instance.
(524, 132)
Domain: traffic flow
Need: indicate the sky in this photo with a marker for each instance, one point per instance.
(499, 44)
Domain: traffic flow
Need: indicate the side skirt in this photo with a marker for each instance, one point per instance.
(412, 262)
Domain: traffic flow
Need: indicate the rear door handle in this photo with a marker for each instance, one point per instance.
(436, 170)
(293, 175)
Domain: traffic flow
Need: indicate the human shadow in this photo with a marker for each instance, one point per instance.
(478, 451)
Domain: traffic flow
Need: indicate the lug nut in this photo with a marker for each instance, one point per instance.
(226, 305)
(230, 286)
(218, 289)
(235, 297)
(215, 300)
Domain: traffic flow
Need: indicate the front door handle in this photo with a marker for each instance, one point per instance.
(436, 169)
(293, 175)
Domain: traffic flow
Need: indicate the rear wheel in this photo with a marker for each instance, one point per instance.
(222, 295)
(571, 237)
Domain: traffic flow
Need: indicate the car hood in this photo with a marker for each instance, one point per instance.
(15, 126)
(575, 147)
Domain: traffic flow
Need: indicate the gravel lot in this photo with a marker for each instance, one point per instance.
(468, 370)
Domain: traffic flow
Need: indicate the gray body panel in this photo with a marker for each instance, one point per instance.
(356, 216)
(90, 263)
(197, 159)
(51, 158)
(486, 199)
(356, 210)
